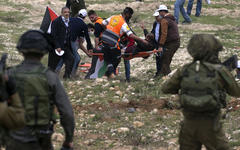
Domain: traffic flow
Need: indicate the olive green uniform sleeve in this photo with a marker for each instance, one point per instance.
(229, 83)
(12, 116)
(172, 85)
(63, 105)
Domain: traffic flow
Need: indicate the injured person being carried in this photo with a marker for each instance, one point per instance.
(141, 47)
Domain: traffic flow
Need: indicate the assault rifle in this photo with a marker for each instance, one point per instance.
(3, 92)
(231, 63)
(3, 62)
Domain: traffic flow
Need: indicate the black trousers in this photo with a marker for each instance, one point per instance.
(44, 143)
(167, 55)
(68, 59)
(113, 57)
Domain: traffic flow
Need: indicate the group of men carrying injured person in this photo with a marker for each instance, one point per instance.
(113, 37)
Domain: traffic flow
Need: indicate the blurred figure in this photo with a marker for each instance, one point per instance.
(202, 86)
(198, 8)
(179, 7)
(40, 91)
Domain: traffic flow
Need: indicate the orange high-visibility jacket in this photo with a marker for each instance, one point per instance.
(115, 24)
(99, 20)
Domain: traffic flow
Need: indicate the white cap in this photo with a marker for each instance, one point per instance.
(83, 12)
(162, 7)
(156, 13)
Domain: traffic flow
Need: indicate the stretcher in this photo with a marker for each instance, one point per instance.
(84, 67)
(128, 56)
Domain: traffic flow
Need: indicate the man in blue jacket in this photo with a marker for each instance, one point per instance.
(79, 31)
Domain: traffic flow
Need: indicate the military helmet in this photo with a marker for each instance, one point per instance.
(202, 45)
(34, 41)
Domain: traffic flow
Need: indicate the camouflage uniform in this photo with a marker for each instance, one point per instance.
(33, 44)
(199, 129)
(11, 112)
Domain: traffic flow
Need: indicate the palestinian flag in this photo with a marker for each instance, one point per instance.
(98, 68)
(49, 16)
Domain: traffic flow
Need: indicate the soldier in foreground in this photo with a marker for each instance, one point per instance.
(40, 91)
(11, 109)
(202, 86)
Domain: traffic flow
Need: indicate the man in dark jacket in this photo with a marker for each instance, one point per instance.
(156, 31)
(61, 34)
(169, 40)
(79, 31)
(40, 91)
(202, 86)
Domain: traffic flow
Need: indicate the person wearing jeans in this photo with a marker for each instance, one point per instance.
(75, 47)
(179, 7)
(198, 8)
(79, 32)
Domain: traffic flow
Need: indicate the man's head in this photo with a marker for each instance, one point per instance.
(34, 42)
(157, 16)
(149, 37)
(65, 12)
(127, 13)
(92, 15)
(82, 13)
(91, 27)
(162, 10)
(204, 47)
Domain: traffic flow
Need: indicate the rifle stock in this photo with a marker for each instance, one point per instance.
(3, 92)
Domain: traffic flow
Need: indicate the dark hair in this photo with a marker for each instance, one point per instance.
(64, 9)
(91, 12)
(128, 10)
(90, 25)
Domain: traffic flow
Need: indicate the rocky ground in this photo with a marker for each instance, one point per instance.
(128, 116)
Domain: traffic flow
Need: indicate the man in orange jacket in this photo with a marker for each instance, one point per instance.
(98, 28)
(116, 26)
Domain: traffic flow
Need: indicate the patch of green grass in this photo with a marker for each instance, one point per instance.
(11, 16)
(106, 14)
(228, 6)
(18, 6)
(216, 20)
(89, 2)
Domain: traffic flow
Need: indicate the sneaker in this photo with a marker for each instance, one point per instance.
(111, 76)
(186, 22)
(158, 75)
(208, 2)
(128, 80)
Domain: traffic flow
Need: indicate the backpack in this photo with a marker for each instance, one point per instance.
(35, 94)
(111, 39)
(200, 90)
